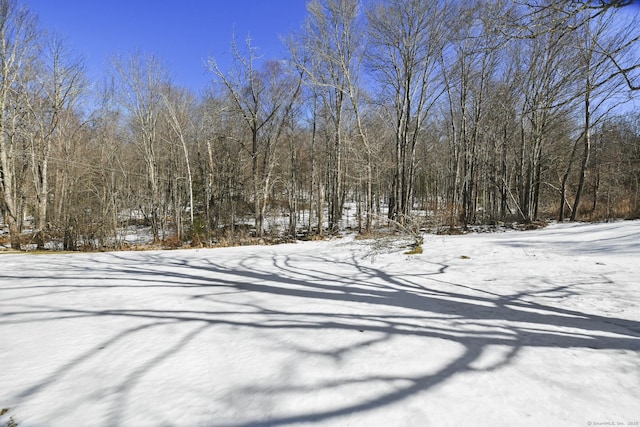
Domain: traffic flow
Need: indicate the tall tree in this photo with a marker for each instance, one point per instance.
(602, 42)
(179, 105)
(331, 54)
(52, 96)
(140, 79)
(264, 99)
(469, 68)
(19, 48)
(329, 40)
(547, 84)
(406, 38)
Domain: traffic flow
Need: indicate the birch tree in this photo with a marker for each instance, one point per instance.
(19, 37)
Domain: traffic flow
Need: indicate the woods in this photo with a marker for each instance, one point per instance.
(408, 114)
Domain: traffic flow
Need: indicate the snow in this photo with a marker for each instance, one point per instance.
(517, 328)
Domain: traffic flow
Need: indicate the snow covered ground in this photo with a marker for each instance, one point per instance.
(534, 328)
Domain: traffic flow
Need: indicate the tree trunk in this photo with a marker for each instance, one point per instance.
(586, 150)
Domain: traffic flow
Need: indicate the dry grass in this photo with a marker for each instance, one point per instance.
(416, 250)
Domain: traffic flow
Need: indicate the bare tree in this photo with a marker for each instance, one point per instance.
(179, 105)
(547, 83)
(140, 81)
(264, 99)
(558, 16)
(19, 47)
(583, 31)
(329, 41)
(213, 161)
(54, 94)
(331, 54)
(604, 42)
(406, 38)
(92, 176)
(469, 67)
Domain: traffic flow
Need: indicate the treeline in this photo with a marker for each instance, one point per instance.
(401, 113)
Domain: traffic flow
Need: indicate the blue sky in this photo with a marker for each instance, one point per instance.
(183, 33)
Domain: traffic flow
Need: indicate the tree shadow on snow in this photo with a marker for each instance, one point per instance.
(343, 294)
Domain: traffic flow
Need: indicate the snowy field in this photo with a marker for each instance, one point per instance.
(536, 328)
